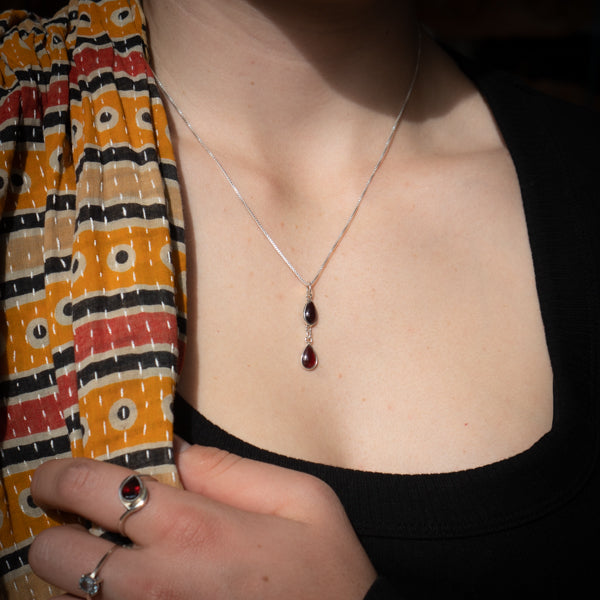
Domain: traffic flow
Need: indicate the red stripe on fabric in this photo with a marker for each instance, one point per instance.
(22, 103)
(27, 101)
(32, 417)
(91, 59)
(9, 108)
(67, 390)
(120, 332)
(58, 93)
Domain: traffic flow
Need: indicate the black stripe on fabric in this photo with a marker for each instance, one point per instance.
(182, 325)
(168, 171)
(41, 45)
(120, 46)
(59, 22)
(57, 264)
(155, 92)
(36, 450)
(117, 153)
(56, 118)
(22, 286)
(35, 220)
(152, 457)
(14, 89)
(124, 363)
(59, 70)
(73, 423)
(13, 561)
(38, 77)
(19, 222)
(22, 133)
(108, 304)
(117, 212)
(41, 382)
(4, 92)
(123, 83)
(35, 27)
(64, 359)
(61, 201)
(176, 233)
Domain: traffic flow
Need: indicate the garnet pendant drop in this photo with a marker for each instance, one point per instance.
(310, 313)
(309, 358)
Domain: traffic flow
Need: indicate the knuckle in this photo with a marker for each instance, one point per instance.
(213, 462)
(316, 500)
(316, 489)
(41, 550)
(157, 587)
(76, 479)
(191, 528)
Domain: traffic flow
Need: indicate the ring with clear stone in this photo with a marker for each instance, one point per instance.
(89, 583)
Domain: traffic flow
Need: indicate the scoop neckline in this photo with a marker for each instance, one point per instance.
(474, 501)
(535, 481)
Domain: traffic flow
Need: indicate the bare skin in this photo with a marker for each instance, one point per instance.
(241, 530)
(431, 345)
(432, 349)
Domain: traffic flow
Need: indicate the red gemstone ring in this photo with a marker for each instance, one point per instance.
(133, 495)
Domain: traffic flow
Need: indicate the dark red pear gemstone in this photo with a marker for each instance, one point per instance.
(130, 489)
(310, 313)
(309, 358)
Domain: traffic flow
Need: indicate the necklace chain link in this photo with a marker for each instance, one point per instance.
(309, 358)
(305, 282)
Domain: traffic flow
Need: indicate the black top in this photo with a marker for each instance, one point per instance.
(527, 526)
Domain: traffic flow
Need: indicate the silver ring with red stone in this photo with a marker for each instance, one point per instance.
(133, 495)
(89, 583)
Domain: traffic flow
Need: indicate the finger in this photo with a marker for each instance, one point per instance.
(84, 487)
(90, 489)
(61, 555)
(252, 485)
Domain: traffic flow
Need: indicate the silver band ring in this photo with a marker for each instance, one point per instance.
(89, 583)
(133, 495)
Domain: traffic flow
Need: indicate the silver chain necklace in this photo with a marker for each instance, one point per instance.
(308, 358)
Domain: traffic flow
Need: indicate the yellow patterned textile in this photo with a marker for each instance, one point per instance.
(93, 295)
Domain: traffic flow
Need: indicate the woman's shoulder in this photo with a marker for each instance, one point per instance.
(530, 116)
(554, 147)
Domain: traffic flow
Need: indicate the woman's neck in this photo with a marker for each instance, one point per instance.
(263, 71)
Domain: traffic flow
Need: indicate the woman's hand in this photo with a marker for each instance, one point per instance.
(240, 530)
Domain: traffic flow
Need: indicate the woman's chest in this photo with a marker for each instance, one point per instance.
(431, 347)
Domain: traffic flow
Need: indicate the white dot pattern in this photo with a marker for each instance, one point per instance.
(93, 304)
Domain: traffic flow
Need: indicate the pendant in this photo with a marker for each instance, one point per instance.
(309, 358)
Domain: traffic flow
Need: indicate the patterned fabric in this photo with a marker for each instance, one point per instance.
(93, 297)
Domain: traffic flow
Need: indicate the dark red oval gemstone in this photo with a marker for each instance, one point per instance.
(130, 489)
(310, 313)
(309, 358)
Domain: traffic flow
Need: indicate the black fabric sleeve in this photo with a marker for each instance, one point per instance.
(382, 589)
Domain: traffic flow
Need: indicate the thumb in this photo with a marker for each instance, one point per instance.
(252, 485)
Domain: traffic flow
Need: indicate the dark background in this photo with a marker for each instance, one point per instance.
(553, 44)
